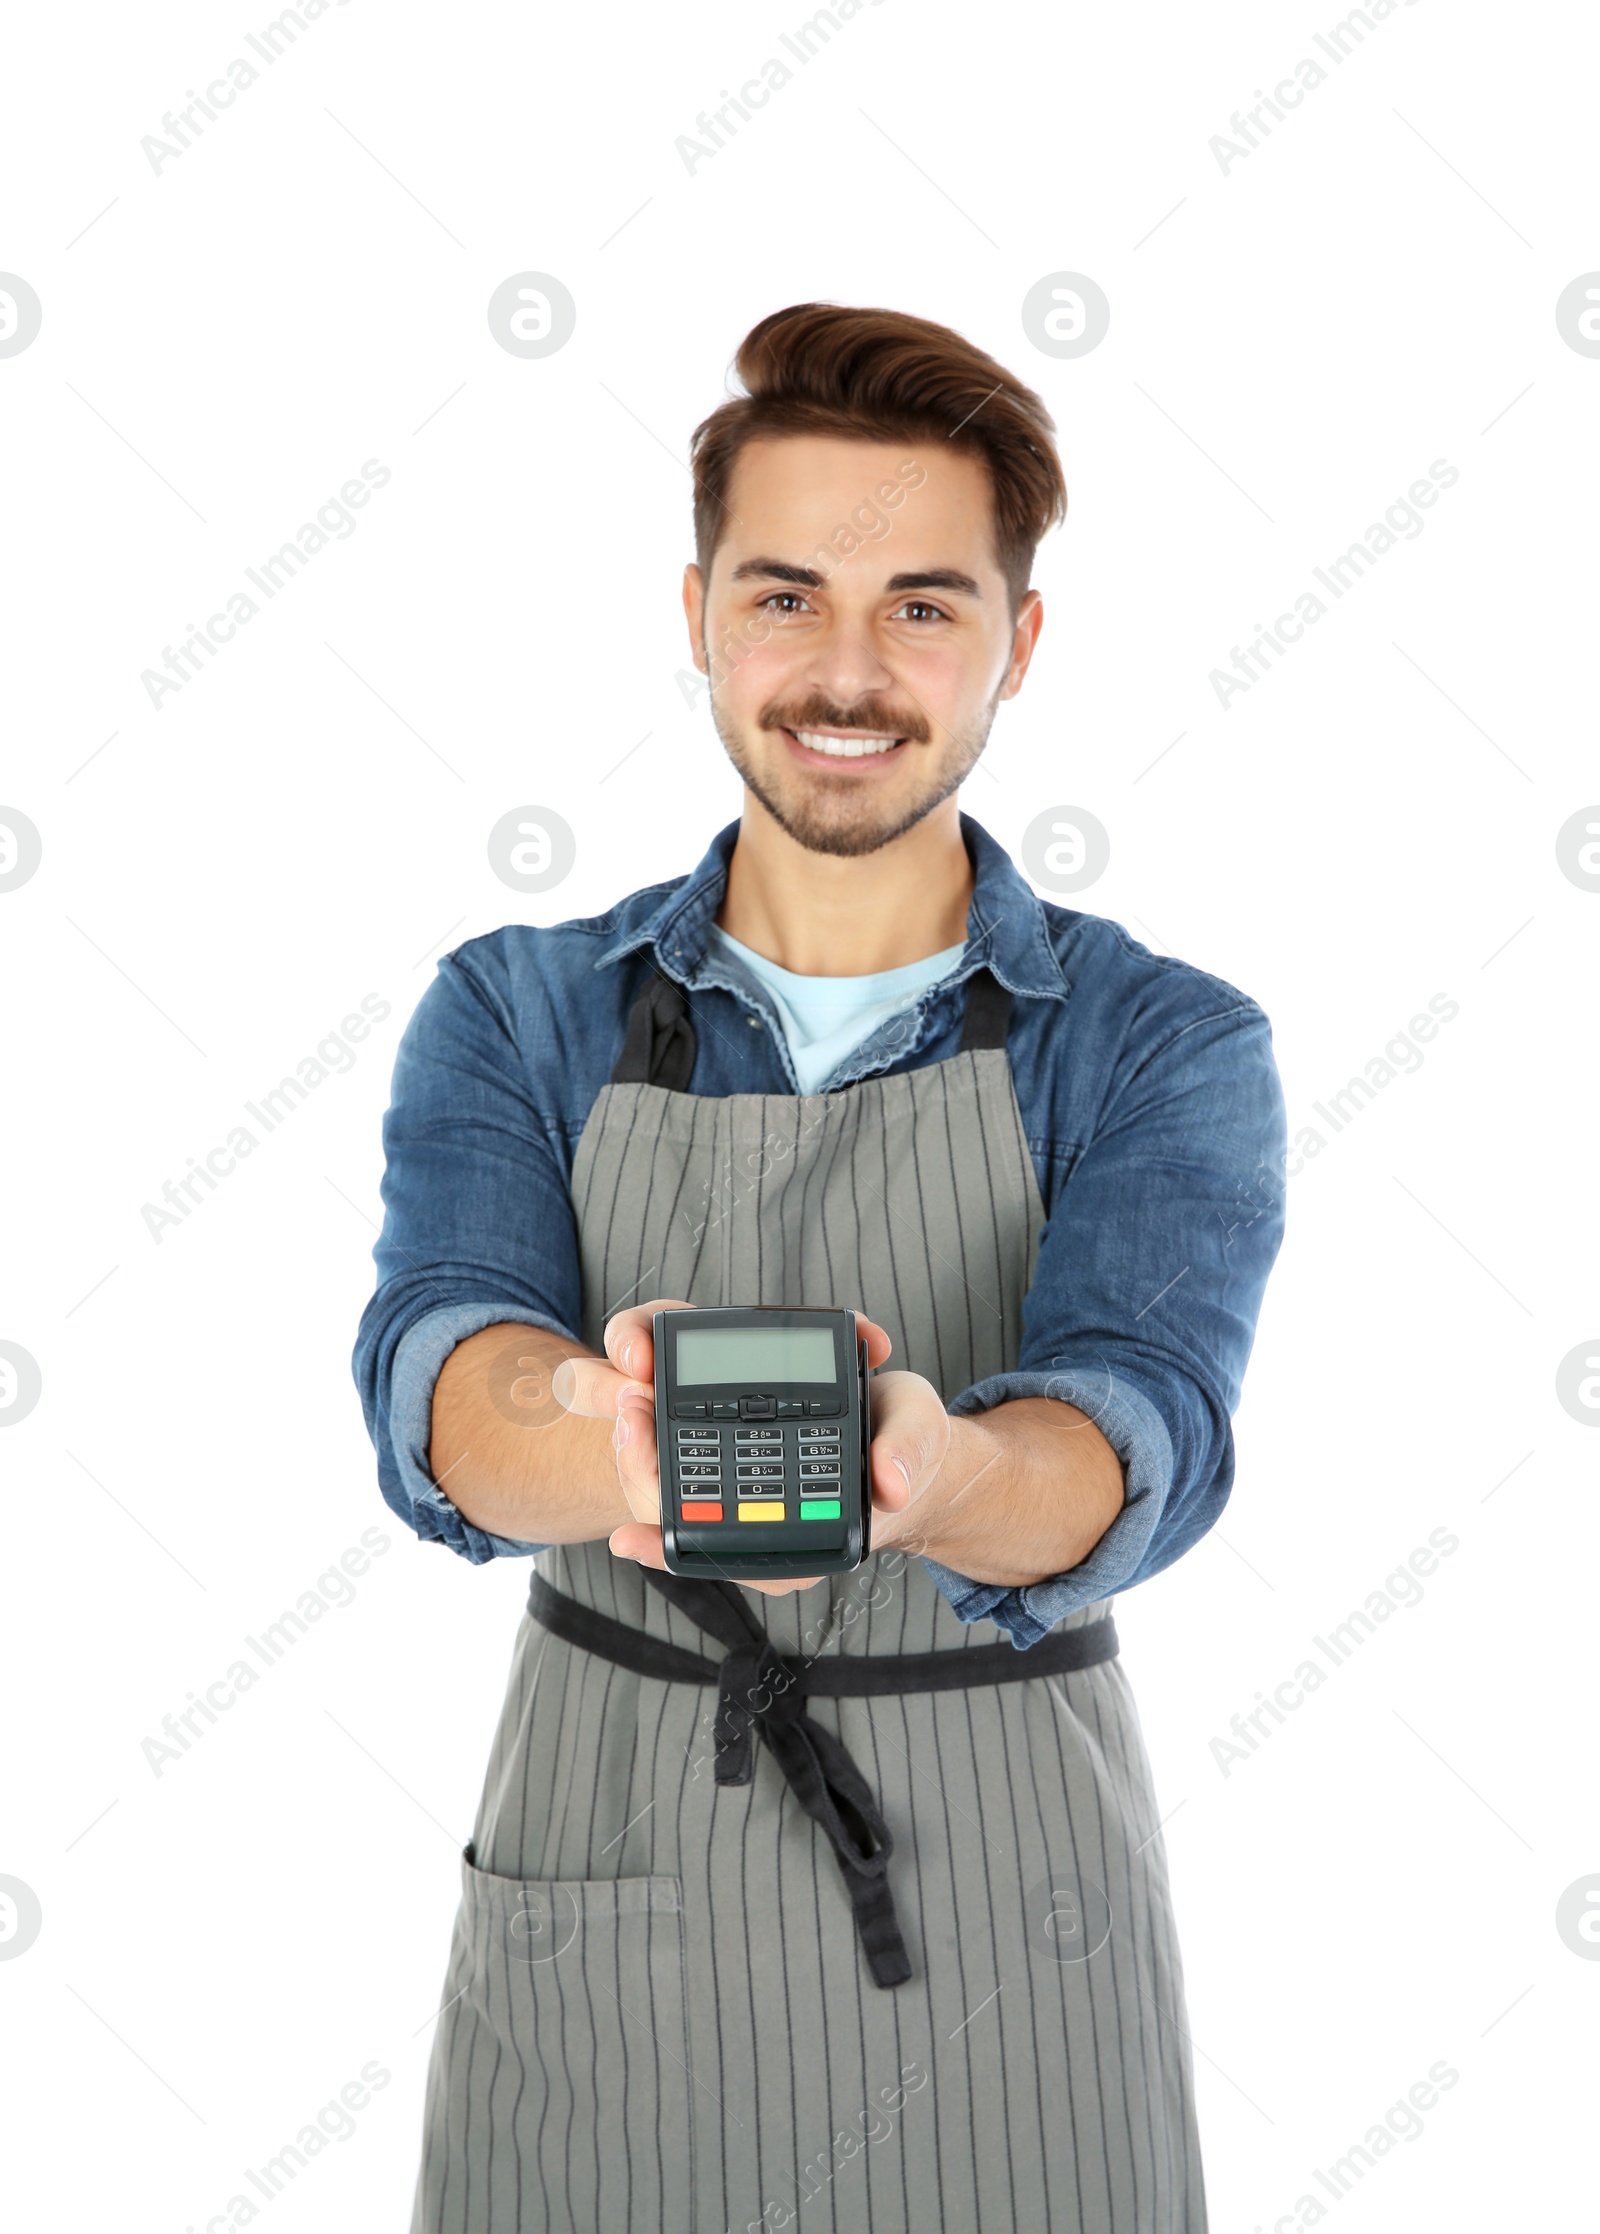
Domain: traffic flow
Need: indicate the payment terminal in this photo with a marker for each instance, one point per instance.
(762, 1430)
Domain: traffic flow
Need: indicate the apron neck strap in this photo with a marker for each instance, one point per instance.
(659, 1048)
(988, 1013)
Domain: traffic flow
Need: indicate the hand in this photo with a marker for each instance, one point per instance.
(912, 1429)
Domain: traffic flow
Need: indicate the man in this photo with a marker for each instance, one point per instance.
(909, 1959)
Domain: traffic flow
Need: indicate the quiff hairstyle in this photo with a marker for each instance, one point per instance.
(882, 376)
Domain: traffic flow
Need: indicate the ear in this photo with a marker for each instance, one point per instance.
(694, 612)
(1030, 619)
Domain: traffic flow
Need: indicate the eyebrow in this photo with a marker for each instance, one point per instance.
(807, 577)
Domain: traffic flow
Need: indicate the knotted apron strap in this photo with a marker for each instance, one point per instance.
(758, 1689)
(839, 1800)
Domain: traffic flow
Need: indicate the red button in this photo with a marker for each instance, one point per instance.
(698, 1511)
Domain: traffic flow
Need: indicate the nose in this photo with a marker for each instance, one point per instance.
(845, 664)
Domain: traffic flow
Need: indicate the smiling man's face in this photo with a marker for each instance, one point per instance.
(855, 692)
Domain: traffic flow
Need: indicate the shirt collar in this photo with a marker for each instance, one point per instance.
(1006, 927)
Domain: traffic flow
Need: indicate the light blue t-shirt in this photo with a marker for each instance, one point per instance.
(825, 1017)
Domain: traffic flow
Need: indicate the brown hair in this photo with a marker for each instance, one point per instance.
(882, 376)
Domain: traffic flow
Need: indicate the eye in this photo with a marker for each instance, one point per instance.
(791, 602)
(921, 610)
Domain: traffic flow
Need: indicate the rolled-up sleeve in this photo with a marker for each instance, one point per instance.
(478, 1228)
(1144, 1301)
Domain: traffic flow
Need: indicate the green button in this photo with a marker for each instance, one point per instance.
(819, 1508)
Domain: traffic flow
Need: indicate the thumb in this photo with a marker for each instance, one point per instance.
(911, 1435)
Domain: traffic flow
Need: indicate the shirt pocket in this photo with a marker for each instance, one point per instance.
(559, 2092)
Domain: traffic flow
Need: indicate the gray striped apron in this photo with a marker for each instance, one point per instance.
(658, 2013)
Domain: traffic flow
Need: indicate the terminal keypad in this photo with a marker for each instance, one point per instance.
(780, 1462)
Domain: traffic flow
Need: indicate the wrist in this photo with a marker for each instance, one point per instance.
(1023, 1493)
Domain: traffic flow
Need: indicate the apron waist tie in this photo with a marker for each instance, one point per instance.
(759, 1690)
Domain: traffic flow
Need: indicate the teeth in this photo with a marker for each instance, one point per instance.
(845, 748)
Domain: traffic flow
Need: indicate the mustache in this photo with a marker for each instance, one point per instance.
(822, 713)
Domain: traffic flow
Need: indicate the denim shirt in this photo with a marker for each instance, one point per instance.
(1152, 1112)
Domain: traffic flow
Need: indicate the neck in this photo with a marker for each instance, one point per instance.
(831, 915)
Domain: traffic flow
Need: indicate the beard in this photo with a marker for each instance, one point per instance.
(839, 814)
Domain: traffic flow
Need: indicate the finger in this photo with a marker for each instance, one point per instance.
(637, 1541)
(630, 1337)
(879, 1345)
(592, 1388)
(638, 1470)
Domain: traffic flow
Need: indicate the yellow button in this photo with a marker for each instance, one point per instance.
(761, 1512)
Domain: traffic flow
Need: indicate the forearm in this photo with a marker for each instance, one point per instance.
(1024, 1492)
(507, 1452)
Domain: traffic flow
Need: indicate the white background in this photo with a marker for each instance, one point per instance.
(1292, 342)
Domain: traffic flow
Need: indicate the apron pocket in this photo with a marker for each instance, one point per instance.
(565, 2101)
